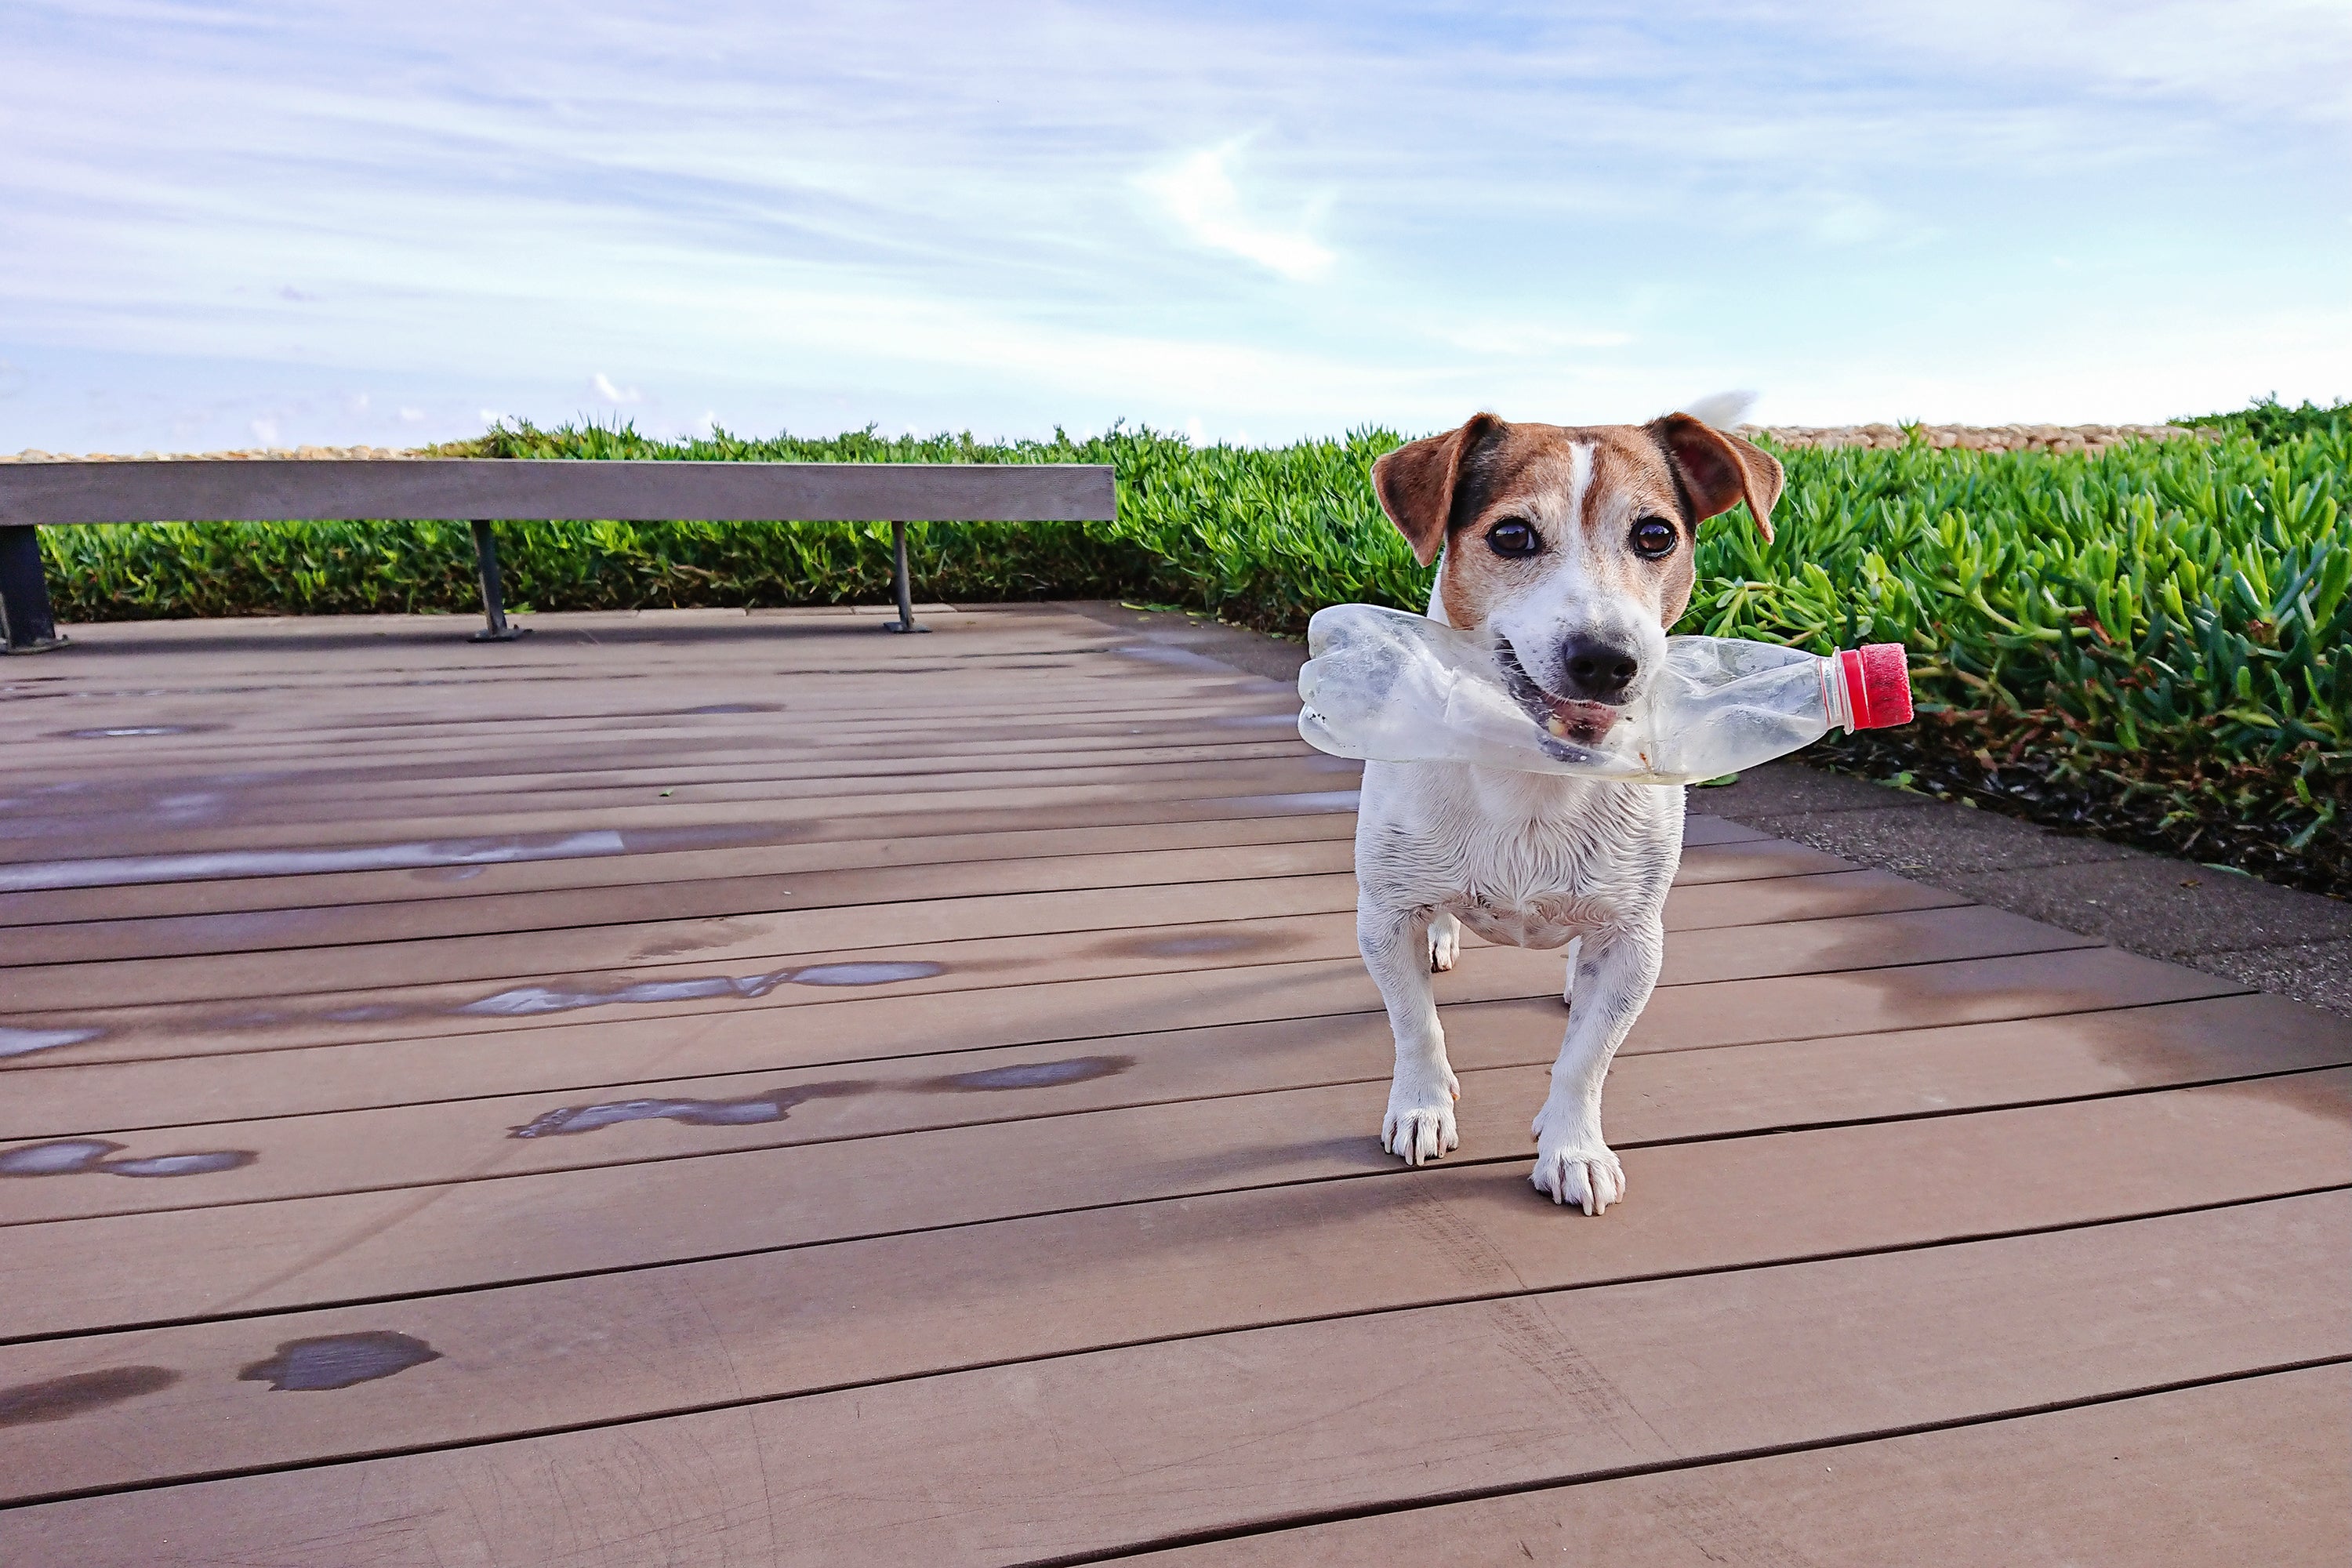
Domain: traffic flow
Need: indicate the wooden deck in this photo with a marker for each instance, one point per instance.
(699, 1089)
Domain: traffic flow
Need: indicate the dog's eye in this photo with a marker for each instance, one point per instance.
(1654, 537)
(1514, 536)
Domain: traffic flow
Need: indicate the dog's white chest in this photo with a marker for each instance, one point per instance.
(1523, 860)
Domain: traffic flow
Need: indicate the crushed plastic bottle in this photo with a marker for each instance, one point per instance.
(1386, 686)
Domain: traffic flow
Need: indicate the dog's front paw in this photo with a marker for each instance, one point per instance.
(1581, 1174)
(1574, 1166)
(1420, 1121)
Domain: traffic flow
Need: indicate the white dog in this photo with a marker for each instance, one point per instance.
(1569, 549)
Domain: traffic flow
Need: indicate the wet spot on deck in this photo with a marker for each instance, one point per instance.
(124, 870)
(1031, 1075)
(23, 1042)
(202, 1164)
(748, 1112)
(879, 973)
(339, 1361)
(531, 1001)
(62, 1157)
(79, 1156)
(1183, 943)
(61, 1398)
(127, 731)
(1187, 946)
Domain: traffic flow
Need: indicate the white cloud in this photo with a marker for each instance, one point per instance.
(611, 394)
(266, 432)
(1200, 195)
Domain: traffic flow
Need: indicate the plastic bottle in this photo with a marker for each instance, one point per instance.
(1384, 685)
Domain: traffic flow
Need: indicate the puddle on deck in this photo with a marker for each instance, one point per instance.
(338, 1361)
(85, 1156)
(776, 1104)
(532, 1001)
(62, 1398)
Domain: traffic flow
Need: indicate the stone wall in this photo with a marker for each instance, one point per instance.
(2093, 439)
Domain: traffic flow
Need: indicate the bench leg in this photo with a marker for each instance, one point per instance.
(486, 568)
(25, 623)
(903, 583)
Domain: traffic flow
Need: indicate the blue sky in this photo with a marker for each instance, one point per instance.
(227, 223)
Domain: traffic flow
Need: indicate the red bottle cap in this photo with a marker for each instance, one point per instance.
(1877, 685)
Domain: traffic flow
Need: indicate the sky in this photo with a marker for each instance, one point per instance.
(231, 224)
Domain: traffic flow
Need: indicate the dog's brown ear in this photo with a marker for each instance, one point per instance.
(1719, 471)
(1416, 483)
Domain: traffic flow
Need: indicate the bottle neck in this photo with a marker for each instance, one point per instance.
(1837, 701)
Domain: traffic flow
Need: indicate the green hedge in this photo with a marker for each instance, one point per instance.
(2148, 645)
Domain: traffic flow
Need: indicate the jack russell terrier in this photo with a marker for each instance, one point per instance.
(1570, 550)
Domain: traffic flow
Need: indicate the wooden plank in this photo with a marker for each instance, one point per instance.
(597, 935)
(124, 747)
(2247, 1471)
(294, 1077)
(864, 819)
(407, 789)
(295, 490)
(761, 899)
(614, 862)
(460, 868)
(214, 820)
(1329, 1083)
(1237, 920)
(916, 705)
(576, 649)
(1235, 782)
(465, 1235)
(1119, 1448)
(649, 904)
(238, 1012)
(238, 763)
(320, 789)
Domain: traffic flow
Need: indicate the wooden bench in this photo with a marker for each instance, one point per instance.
(487, 490)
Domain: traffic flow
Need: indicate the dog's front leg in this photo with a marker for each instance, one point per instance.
(1615, 972)
(1419, 1121)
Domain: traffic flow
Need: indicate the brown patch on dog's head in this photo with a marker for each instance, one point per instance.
(1720, 471)
(1419, 481)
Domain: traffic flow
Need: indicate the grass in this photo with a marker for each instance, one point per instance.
(2150, 645)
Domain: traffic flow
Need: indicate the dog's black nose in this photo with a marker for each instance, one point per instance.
(1597, 672)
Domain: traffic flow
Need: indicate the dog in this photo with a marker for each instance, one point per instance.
(1569, 549)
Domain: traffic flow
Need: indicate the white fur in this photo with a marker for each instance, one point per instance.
(1528, 859)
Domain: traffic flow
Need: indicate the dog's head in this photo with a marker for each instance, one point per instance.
(1571, 548)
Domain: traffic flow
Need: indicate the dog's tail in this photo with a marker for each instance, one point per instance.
(1724, 410)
